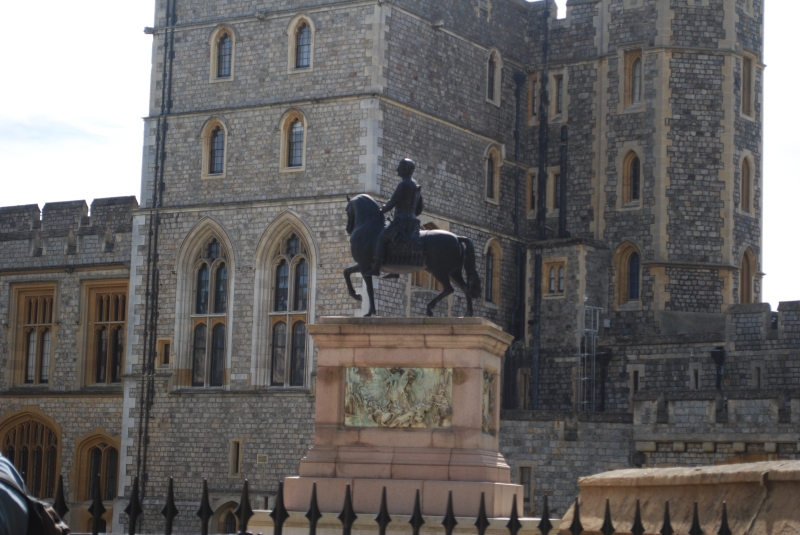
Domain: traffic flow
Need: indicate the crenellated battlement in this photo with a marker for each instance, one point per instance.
(754, 323)
(112, 212)
(66, 233)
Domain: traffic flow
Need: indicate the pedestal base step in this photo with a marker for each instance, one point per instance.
(400, 494)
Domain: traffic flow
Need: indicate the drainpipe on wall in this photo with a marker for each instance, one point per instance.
(541, 219)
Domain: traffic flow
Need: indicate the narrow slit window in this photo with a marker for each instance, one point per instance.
(633, 277)
(489, 276)
(490, 177)
(747, 86)
(635, 181)
(561, 279)
(559, 94)
(745, 187)
(491, 78)
(552, 287)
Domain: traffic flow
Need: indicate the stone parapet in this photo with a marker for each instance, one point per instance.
(761, 498)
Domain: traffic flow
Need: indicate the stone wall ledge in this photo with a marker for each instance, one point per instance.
(549, 416)
(632, 342)
(40, 392)
(67, 267)
(710, 395)
(719, 436)
(96, 230)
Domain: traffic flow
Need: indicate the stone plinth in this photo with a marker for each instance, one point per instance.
(407, 404)
(762, 498)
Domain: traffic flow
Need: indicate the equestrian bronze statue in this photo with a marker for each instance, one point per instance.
(399, 247)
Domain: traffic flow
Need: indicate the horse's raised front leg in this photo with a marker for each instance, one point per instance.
(371, 294)
(347, 272)
(448, 289)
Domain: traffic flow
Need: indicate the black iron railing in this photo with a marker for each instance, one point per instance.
(348, 516)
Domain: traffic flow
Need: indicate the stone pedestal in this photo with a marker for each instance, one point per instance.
(408, 404)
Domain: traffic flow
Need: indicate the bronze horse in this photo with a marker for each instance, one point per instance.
(445, 255)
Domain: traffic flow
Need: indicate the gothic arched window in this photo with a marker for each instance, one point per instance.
(289, 313)
(209, 317)
(33, 448)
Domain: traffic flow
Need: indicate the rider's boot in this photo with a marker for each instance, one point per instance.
(376, 262)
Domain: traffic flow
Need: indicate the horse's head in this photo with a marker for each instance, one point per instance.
(351, 216)
(359, 209)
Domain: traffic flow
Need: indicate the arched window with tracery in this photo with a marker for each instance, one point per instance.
(209, 315)
(628, 276)
(95, 470)
(289, 313)
(33, 447)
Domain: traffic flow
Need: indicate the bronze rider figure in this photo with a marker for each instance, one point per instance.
(407, 204)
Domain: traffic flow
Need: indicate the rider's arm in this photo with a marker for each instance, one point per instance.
(420, 206)
(393, 201)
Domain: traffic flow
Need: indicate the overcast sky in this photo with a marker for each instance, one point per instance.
(73, 98)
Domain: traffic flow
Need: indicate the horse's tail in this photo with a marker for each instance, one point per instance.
(473, 278)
